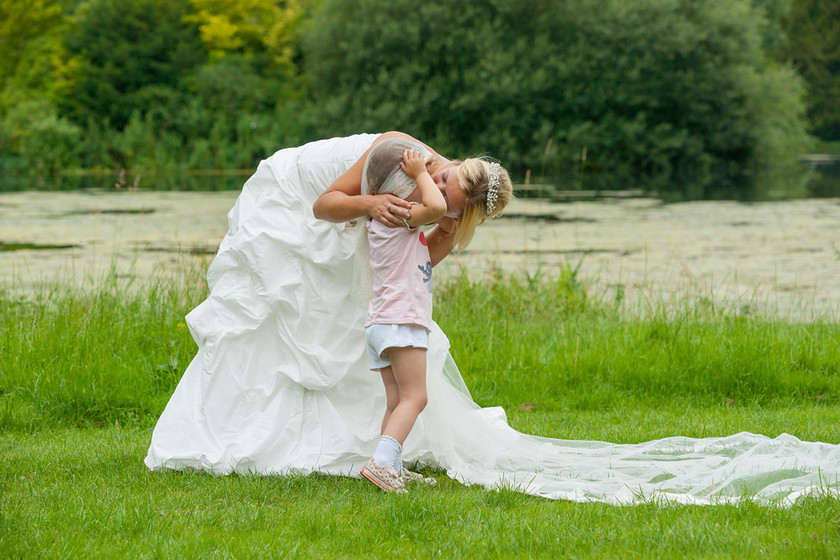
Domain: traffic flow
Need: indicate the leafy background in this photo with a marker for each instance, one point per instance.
(669, 95)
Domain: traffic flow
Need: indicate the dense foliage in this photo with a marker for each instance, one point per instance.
(813, 31)
(149, 84)
(657, 92)
(663, 94)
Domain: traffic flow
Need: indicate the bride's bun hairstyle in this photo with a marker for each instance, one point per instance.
(488, 188)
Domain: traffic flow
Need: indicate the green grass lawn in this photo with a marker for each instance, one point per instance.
(85, 493)
(83, 377)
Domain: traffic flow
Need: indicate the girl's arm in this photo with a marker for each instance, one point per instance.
(432, 205)
(343, 201)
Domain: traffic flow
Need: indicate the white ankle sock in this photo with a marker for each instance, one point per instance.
(398, 462)
(387, 452)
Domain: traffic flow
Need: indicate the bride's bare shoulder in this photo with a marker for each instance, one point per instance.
(396, 134)
(392, 134)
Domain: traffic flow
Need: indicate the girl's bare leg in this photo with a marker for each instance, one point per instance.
(409, 370)
(392, 394)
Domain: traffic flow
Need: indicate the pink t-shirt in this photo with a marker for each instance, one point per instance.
(402, 277)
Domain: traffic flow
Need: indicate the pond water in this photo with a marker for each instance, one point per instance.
(776, 256)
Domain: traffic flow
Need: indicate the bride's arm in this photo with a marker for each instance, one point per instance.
(343, 201)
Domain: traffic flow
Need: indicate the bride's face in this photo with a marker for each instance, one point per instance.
(447, 181)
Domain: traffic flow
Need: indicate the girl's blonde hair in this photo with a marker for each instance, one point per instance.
(474, 175)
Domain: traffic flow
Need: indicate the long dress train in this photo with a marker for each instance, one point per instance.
(280, 382)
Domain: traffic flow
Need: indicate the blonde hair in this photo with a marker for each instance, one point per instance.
(474, 177)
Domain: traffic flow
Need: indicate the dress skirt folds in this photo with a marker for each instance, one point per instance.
(280, 383)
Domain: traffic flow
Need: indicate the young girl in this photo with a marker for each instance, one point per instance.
(400, 312)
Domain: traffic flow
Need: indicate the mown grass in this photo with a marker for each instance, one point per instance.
(84, 493)
(83, 376)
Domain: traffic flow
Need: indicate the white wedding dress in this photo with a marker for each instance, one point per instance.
(280, 383)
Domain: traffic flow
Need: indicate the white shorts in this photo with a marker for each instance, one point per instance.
(382, 337)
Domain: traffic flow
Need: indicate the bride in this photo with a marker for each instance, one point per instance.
(280, 383)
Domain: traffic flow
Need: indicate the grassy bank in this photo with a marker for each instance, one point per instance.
(83, 377)
(85, 493)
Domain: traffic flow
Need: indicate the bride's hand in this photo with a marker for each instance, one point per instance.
(390, 210)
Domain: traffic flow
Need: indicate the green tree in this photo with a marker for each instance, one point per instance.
(813, 46)
(169, 84)
(34, 138)
(250, 27)
(251, 85)
(133, 56)
(774, 13)
(20, 24)
(664, 93)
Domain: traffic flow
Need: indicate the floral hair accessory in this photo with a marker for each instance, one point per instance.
(493, 187)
